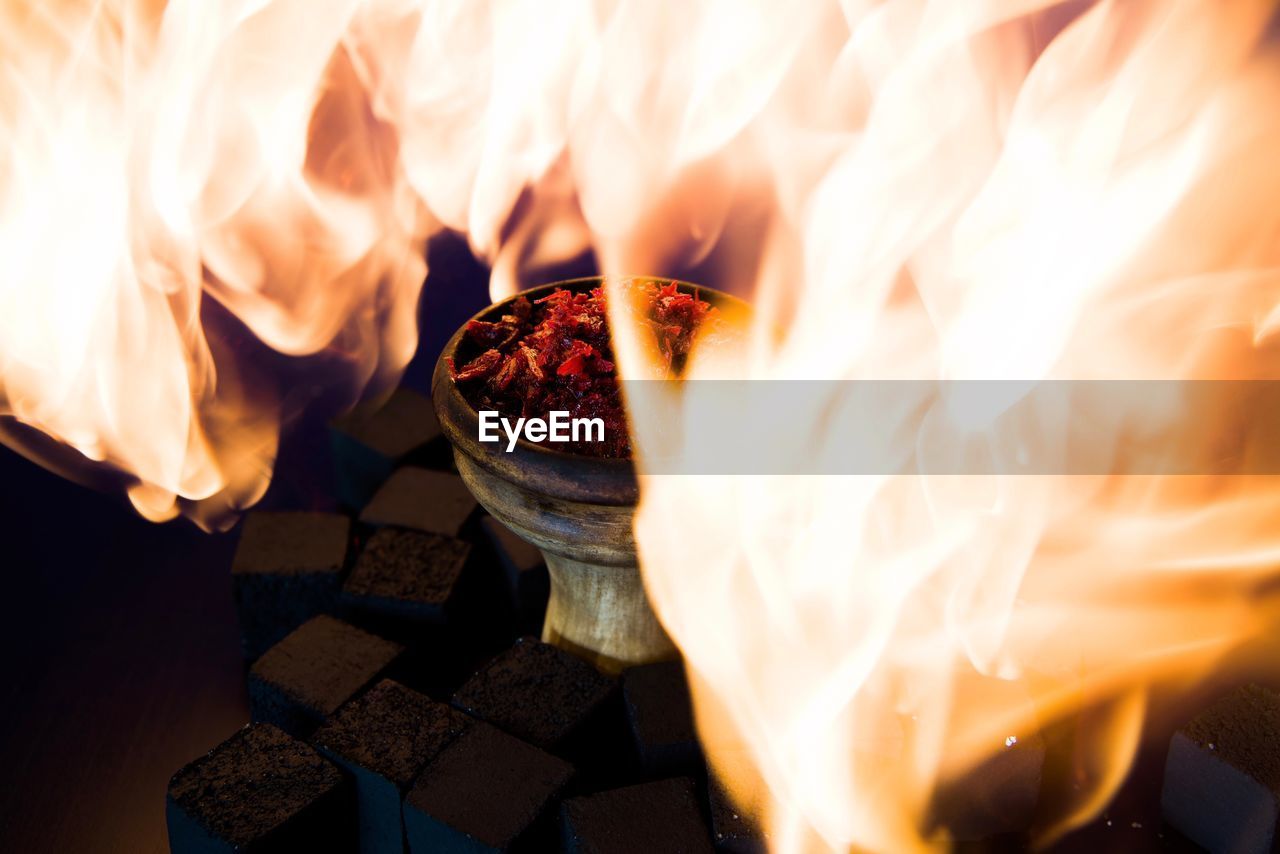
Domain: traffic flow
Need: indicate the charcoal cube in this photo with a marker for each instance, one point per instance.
(997, 797)
(536, 692)
(661, 816)
(287, 569)
(369, 445)
(484, 792)
(660, 714)
(732, 831)
(303, 680)
(406, 574)
(522, 563)
(1222, 775)
(383, 740)
(263, 791)
(432, 501)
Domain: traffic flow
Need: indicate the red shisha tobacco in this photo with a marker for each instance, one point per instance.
(554, 354)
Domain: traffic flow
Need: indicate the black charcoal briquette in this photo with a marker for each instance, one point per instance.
(424, 500)
(660, 715)
(536, 692)
(368, 445)
(661, 816)
(384, 739)
(484, 792)
(1222, 775)
(287, 569)
(306, 677)
(406, 574)
(262, 791)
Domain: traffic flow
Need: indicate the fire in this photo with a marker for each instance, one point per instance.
(1019, 190)
(1024, 193)
(163, 166)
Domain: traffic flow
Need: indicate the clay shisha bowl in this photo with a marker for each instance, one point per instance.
(576, 509)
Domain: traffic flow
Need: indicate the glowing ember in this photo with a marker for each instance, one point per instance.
(1013, 189)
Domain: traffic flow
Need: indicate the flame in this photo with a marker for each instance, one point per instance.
(1022, 193)
(199, 201)
(172, 176)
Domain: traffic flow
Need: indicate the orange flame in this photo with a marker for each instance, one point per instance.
(1099, 206)
(159, 159)
(1004, 189)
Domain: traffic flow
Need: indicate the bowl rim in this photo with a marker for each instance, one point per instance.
(562, 474)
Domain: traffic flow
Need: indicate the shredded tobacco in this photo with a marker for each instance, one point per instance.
(555, 354)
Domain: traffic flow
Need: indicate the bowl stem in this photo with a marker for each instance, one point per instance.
(601, 613)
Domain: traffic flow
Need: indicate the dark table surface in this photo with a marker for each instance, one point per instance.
(121, 663)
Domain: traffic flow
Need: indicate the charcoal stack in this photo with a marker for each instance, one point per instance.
(402, 702)
(400, 698)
